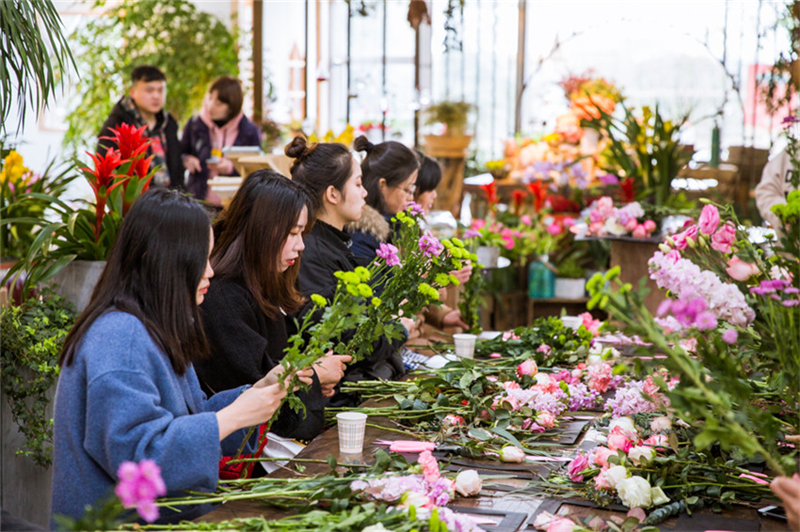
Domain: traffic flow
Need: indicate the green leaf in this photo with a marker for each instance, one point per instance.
(479, 434)
(507, 435)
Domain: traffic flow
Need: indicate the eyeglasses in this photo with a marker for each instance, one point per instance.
(410, 190)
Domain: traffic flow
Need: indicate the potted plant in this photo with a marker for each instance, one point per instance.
(31, 337)
(570, 280)
(451, 120)
(83, 237)
(15, 180)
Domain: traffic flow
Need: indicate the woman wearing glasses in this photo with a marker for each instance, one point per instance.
(389, 173)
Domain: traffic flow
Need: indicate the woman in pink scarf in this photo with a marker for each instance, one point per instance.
(219, 125)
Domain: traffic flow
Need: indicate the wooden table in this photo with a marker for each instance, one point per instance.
(528, 503)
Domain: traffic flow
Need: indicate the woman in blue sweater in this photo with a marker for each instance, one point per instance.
(128, 390)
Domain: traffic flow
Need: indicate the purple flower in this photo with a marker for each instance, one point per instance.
(430, 246)
(139, 486)
(608, 179)
(791, 302)
(416, 209)
(730, 336)
(789, 120)
(792, 290)
(388, 252)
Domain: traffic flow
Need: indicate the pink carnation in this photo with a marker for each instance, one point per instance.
(724, 238)
(709, 220)
(430, 467)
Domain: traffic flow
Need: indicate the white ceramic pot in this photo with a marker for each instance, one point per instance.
(76, 281)
(570, 288)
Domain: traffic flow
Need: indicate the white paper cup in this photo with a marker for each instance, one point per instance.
(465, 345)
(351, 431)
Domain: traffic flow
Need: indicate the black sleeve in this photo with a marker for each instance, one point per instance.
(174, 159)
(238, 349)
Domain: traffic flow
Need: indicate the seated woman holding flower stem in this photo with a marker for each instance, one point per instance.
(128, 390)
(247, 308)
(332, 178)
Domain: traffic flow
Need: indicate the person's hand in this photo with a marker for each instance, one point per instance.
(192, 163)
(223, 167)
(453, 319)
(464, 273)
(274, 376)
(410, 324)
(330, 370)
(254, 406)
(788, 490)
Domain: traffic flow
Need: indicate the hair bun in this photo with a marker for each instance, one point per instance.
(362, 143)
(297, 148)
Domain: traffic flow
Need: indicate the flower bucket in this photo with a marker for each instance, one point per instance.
(488, 256)
(447, 146)
(567, 288)
(76, 281)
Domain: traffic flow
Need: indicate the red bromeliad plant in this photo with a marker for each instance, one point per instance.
(539, 191)
(118, 178)
(491, 194)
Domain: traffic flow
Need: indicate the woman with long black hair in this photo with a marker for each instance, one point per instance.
(246, 313)
(128, 389)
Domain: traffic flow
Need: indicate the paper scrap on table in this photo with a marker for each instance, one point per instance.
(278, 447)
(439, 361)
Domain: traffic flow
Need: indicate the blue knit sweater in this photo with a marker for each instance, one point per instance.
(121, 400)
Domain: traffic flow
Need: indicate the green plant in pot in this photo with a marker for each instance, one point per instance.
(31, 337)
(453, 115)
(15, 180)
(87, 233)
(570, 279)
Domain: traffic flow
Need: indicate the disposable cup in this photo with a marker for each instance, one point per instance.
(465, 345)
(351, 431)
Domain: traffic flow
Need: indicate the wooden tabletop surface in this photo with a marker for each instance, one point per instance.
(527, 503)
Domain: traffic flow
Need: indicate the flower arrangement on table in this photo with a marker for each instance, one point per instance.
(16, 231)
(389, 494)
(603, 219)
(118, 178)
(739, 307)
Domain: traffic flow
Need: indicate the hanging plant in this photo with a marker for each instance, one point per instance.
(191, 47)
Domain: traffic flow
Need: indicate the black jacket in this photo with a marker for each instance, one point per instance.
(119, 115)
(245, 346)
(327, 251)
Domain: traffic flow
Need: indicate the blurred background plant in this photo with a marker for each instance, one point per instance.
(15, 180)
(191, 47)
(32, 50)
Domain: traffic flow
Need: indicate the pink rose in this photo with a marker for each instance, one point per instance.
(561, 524)
(639, 232)
(528, 367)
(546, 419)
(740, 270)
(630, 225)
(709, 220)
(657, 440)
(724, 238)
(577, 466)
(601, 455)
(526, 219)
(601, 482)
(660, 424)
(681, 239)
(619, 441)
(544, 348)
(554, 229)
(451, 420)
(649, 226)
(478, 224)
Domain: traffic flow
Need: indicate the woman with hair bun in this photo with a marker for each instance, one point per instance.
(332, 178)
(389, 173)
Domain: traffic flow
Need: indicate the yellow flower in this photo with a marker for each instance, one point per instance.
(13, 168)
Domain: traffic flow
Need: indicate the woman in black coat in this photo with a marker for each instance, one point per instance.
(259, 238)
(333, 180)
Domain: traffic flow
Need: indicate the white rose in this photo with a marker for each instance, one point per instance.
(658, 496)
(418, 500)
(661, 424)
(591, 360)
(543, 379)
(468, 483)
(613, 226)
(512, 454)
(615, 474)
(641, 453)
(625, 422)
(634, 492)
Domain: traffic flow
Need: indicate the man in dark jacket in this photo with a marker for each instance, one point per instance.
(144, 106)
